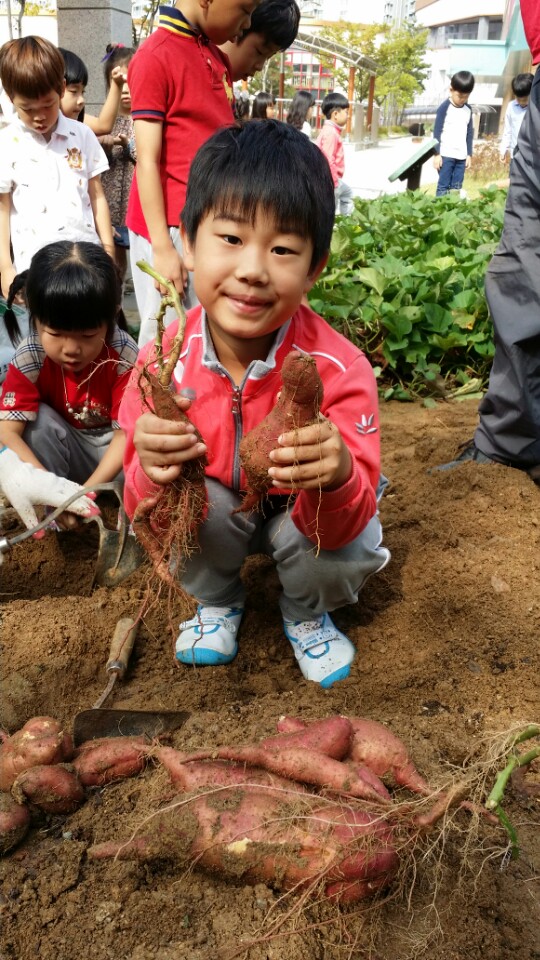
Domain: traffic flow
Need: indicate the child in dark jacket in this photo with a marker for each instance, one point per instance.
(454, 132)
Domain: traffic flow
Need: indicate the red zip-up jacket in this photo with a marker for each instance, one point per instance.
(224, 412)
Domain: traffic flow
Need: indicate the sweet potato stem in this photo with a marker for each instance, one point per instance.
(494, 801)
(171, 299)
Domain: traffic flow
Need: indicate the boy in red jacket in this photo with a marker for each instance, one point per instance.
(256, 229)
(335, 108)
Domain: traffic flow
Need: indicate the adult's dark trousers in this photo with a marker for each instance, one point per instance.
(451, 175)
(509, 427)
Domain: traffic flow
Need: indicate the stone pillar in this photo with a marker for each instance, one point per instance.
(86, 27)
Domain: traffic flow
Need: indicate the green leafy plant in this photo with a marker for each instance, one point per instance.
(405, 282)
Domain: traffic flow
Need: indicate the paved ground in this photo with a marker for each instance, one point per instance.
(367, 171)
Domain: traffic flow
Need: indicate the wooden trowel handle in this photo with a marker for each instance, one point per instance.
(122, 645)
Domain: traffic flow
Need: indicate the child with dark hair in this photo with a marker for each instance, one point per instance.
(335, 108)
(274, 26)
(263, 106)
(301, 110)
(119, 145)
(454, 133)
(515, 111)
(60, 399)
(73, 102)
(257, 227)
(50, 166)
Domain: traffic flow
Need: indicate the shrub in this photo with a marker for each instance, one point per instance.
(405, 282)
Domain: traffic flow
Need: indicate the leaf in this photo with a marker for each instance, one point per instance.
(372, 278)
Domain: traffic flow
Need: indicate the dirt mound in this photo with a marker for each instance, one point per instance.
(448, 652)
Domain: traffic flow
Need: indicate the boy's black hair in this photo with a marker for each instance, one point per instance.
(333, 101)
(462, 81)
(73, 286)
(277, 20)
(521, 84)
(265, 166)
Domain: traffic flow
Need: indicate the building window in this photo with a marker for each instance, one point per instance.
(495, 29)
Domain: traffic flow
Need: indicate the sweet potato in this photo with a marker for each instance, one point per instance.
(167, 523)
(253, 836)
(111, 758)
(54, 789)
(192, 777)
(304, 766)
(332, 736)
(14, 823)
(377, 747)
(41, 741)
(298, 406)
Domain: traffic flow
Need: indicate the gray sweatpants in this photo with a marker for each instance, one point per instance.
(311, 584)
(64, 449)
(509, 428)
(147, 297)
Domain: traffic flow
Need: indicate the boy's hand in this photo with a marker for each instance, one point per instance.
(437, 161)
(311, 458)
(170, 265)
(164, 445)
(468, 162)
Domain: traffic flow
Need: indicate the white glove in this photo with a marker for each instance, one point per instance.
(24, 485)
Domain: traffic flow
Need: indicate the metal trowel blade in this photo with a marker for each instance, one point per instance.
(91, 724)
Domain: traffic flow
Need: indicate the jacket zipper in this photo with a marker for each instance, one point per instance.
(237, 417)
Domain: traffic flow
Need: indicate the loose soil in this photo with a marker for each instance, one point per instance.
(448, 655)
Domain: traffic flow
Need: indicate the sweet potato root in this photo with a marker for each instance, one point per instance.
(14, 823)
(253, 836)
(41, 741)
(298, 406)
(192, 777)
(111, 758)
(54, 789)
(166, 524)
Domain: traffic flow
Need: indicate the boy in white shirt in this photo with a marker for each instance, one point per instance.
(454, 131)
(515, 111)
(50, 166)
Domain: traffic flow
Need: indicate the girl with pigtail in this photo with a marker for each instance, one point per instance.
(60, 399)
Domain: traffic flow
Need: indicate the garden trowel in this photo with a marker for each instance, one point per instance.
(103, 722)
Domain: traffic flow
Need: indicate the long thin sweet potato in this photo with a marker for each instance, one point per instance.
(192, 777)
(298, 406)
(304, 766)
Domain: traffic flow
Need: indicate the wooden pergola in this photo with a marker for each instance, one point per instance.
(347, 55)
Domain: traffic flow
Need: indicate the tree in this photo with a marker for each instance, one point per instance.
(399, 53)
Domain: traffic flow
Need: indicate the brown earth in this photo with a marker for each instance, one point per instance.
(448, 655)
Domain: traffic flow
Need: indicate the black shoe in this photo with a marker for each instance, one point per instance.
(468, 452)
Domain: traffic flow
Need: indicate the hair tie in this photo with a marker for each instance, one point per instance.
(113, 46)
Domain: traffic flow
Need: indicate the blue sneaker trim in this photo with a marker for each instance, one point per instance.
(335, 677)
(201, 657)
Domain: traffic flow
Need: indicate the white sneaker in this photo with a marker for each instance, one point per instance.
(324, 654)
(209, 638)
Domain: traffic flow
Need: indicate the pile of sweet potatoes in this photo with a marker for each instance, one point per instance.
(306, 809)
(301, 810)
(41, 770)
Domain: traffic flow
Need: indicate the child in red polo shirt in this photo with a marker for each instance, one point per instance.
(181, 93)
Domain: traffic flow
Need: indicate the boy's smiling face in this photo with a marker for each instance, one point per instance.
(249, 277)
(223, 20)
